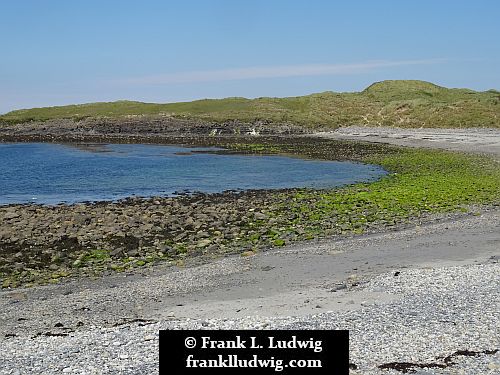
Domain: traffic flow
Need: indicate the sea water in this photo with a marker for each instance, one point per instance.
(53, 173)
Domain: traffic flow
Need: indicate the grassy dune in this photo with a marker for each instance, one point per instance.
(388, 103)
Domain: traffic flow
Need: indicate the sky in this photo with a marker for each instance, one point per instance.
(57, 52)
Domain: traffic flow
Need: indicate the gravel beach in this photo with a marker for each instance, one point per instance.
(402, 301)
(477, 140)
(422, 299)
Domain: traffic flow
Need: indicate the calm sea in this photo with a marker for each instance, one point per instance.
(54, 173)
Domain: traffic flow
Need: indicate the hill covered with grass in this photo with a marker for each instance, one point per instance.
(400, 103)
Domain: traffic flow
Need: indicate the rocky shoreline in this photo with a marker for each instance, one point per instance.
(138, 129)
(91, 238)
(43, 244)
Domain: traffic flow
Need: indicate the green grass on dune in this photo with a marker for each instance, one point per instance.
(388, 103)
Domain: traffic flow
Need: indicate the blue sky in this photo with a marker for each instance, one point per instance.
(60, 52)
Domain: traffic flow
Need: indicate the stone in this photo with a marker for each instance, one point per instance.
(117, 252)
(247, 253)
(203, 243)
(260, 216)
(132, 252)
(11, 215)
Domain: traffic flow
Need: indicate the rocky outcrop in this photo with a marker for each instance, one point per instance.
(137, 129)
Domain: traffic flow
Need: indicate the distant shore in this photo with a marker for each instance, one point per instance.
(472, 140)
(405, 103)
(139, 130)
